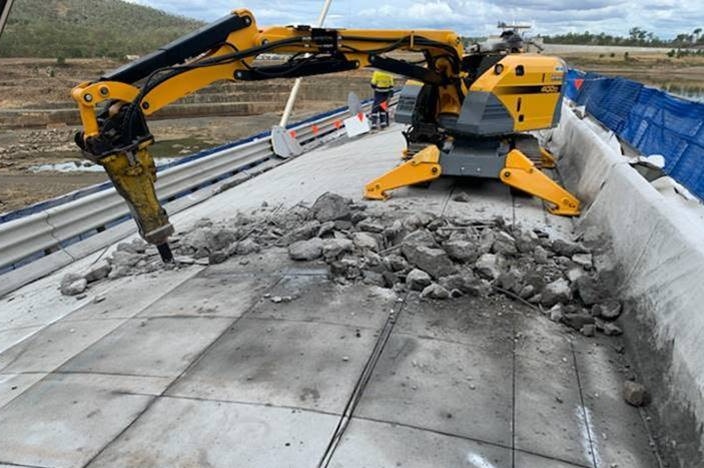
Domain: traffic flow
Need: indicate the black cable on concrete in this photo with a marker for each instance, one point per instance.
(360, 385)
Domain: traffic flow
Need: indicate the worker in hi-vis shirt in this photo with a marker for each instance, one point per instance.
(383, 85)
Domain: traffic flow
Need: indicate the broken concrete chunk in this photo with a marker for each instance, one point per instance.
(326, 228)
(417, 280)
(462, 197)
(588, 330)
(305, 232)
(578, 320)
(390, 279)
(535, 278)
(488, 266)
(358, 216)
(478, 287)
(607, 328)
(118, 271)
(504, 244)
(434, 261)
(588, 290)
(333, 248)
(330, 207)
(609, 310)
(218, 257)
(184, 260)
(417, 220)
(306, 250)
(246, 247)
(393, 232)
(73, 284)
(461, 250)
(198, 239)
(462, 282)
(435, 291)
(373, 259)
(365, 241)
(466, 283)
(527, 291)
(343, 225)
(122, 258)
(395, 263)
(526, 241)
(573, 274)
(420, 237)
(436, 224)
(374, 278)
(635, 394)
(557, 291)
(510, 280)
(583, 259)
(369, 225)
(556, 313)
(567, 248)
(486, 241)
(98, 271)
(350, 267)
(540, 255)
(535, 299)
(203, 222)
(135, 246)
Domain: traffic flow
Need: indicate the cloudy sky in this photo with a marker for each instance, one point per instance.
(666, 18)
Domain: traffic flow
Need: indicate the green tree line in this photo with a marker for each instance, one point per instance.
(636, 37)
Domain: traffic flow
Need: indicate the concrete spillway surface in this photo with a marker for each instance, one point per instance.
(263, 361)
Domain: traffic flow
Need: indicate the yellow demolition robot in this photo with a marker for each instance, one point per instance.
(467, 114)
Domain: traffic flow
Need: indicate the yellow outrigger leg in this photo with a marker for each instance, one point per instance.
(547, 160)
(423, 167)
(521, 173)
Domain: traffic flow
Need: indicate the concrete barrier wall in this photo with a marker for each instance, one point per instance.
(660, 257)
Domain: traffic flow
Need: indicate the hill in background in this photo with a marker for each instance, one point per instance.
(88, 28)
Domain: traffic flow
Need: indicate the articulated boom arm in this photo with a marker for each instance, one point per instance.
(113, 109)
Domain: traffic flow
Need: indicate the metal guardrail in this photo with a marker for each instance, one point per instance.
(34, 236)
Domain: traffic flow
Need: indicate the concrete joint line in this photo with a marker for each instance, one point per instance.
(168, 387)
(53, 371)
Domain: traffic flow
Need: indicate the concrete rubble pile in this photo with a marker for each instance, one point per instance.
(440, 257)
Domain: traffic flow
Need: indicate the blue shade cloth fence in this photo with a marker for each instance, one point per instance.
(651, 120)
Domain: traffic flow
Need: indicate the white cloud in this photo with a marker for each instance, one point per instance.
(666, 18)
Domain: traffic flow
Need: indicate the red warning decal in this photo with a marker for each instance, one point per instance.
(338, 124)
(315, 129)
(360, 116)
(292, 133)
(578, 82)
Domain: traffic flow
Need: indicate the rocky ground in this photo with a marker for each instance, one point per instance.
(439, 257)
